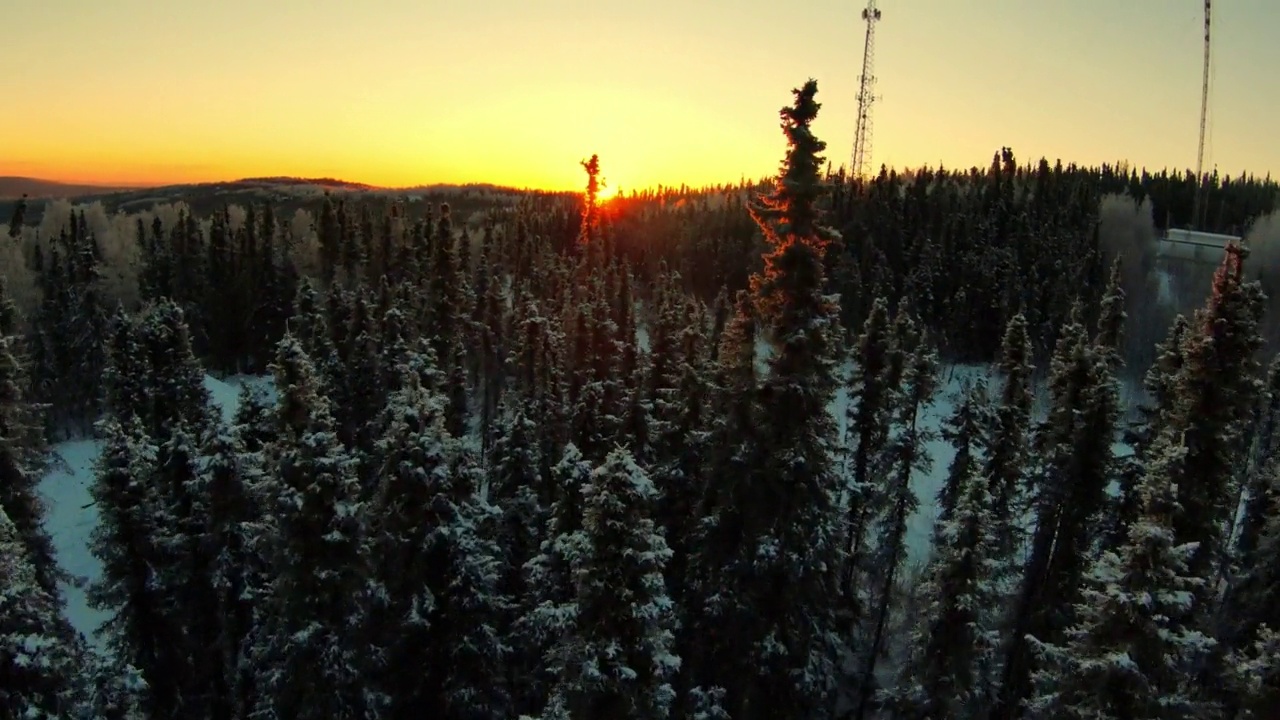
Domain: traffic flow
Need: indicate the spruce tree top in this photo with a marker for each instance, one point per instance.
(790, 211)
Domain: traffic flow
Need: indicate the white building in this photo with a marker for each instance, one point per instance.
(1194, 246)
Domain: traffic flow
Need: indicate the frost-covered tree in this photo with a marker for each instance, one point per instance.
(548, 604)
(139, 632)
(127, 371)
(1260, 492)
(680, 442)
(734, 444)
(950, 658)
(1111, 317)
(1129, 655)
(1256, 676)
(616, 658)
(868, 420)
(965, 430)
(118, 692)
(514, 483)
(1075, 447)
(905, 455)
(1216, 391)
(1006, 466)
(22, 461)
(436, 612)
(175, 385)
(1153, 417)
(236, 533)
(1253, 601)
(309, 650)
(182, 566)
(783, 660)
(39, 662)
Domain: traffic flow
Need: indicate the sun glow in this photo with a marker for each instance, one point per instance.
(607, 192)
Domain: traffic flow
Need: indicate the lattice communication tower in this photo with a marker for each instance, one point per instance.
(1197, 205)
(862, 139)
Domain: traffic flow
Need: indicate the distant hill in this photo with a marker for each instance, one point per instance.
(322, 182)
(286, 194)
(35, 188)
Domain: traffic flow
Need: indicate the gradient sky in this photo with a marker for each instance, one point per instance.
(401, 92)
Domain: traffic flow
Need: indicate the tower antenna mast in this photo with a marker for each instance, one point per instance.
(862, 139)
(1204, 112)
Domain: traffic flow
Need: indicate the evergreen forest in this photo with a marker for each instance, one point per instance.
(667, 454)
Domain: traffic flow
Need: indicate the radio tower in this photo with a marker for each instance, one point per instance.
(862, 139)
(1204, 111)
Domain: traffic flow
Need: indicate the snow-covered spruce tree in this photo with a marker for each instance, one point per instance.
(395, 337)
(180, 421)
(254, 423)
(470, 611)
(597, 389)
(308, 654)
(633, 431)
(1259, 487)
(549, 614)
(338, 302)
(905, 455)
(127, 372)
(139, 633)
(182, 567)
(40, 667)
(868, 418)
(547, 392)
(447, 316)
(733, 449)
(1253, 601)
(608, 370)
(680, 437)
(1216, 391)
(1076, 464)
(656, 370)
(22, 460)
(117, 692)
(456, 388)
(1215, 394)
(785, 567)
(514, 482)
(490, 320)
(1006, 466)
(1111, 317)
(435, 618)
(175, 387)
(616, 659)
(362, 395)
(1255, 673)
(1127, 655)
(513, 488)
(965, 430)
(947, 668)
(1153, 416)
(662, 382)
(314, 332)
(231, 481)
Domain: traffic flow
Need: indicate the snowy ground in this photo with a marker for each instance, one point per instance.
(72, 516)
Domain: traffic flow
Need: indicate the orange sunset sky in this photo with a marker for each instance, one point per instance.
(404, 92)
